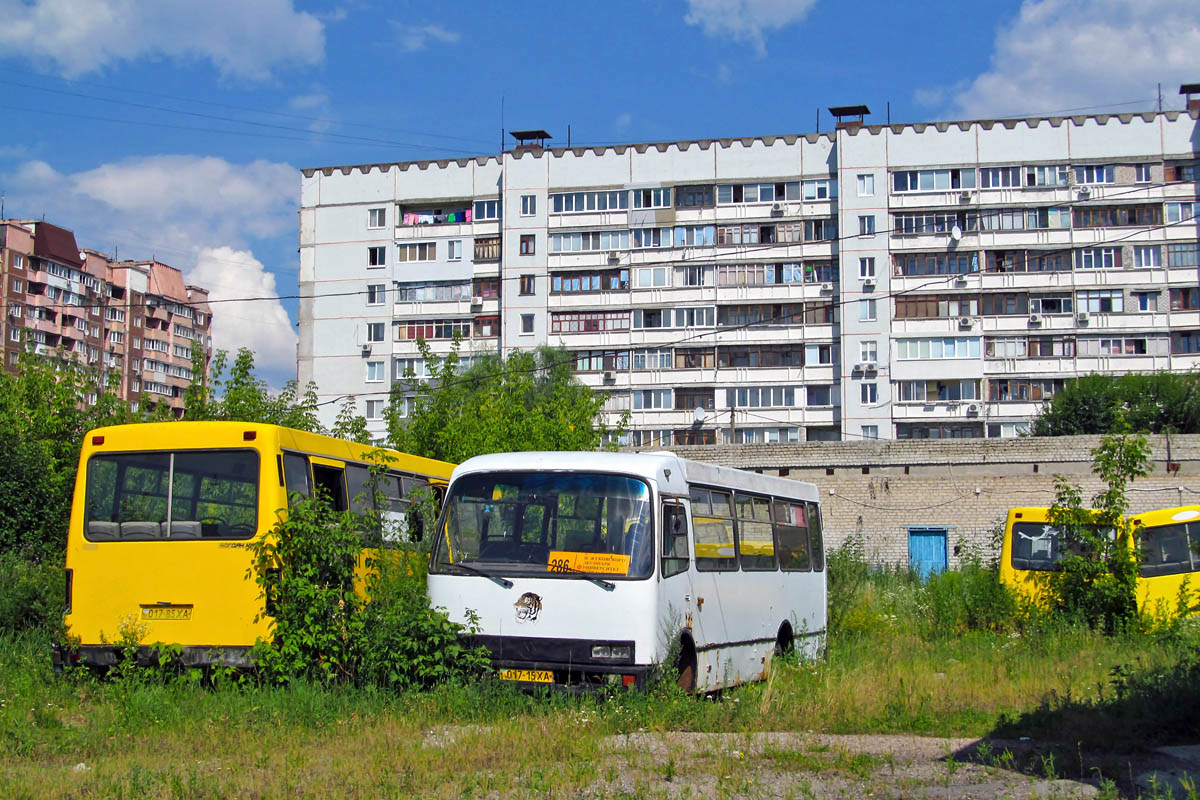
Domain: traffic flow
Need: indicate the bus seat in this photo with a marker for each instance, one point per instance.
(141, 530)
(185, 529)
(102, 529)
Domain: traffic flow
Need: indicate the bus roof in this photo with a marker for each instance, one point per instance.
(669, 471)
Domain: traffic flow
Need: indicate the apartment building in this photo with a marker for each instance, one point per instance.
(876, 281)
(135, 318)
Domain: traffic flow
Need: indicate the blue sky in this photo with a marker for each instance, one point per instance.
(176, 130)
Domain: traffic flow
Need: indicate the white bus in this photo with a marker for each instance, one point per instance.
(591, 569)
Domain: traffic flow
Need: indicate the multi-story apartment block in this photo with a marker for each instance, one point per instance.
(135, 318)
(891, 281)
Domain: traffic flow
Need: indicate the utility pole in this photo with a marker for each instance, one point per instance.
(732, 427)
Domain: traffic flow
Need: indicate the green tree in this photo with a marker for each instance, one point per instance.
(529, 401)
(1160, 402)
(1097, 581)
(244, 397)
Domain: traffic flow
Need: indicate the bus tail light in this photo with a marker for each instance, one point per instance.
(97, 440)
(68, 575)
(628, 680)
(249, 436)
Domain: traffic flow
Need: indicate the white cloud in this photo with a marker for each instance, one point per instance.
(416, 37)
(623, 121)
(261, 325)
(1082, 56)
(199, 214)
(242, 39)
(746, 20)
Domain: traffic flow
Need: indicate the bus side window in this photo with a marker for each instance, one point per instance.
(814, 535)
(331, 482)
(295, 474)
(674, 540)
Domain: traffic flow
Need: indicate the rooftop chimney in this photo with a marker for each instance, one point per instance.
(1192, 91)
(527, 141)
(849, 117)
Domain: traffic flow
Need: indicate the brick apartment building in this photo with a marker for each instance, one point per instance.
(137, 318)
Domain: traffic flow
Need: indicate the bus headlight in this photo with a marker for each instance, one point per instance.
(601, 651)
(615, 651)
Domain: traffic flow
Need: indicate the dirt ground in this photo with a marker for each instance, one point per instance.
(796, 765)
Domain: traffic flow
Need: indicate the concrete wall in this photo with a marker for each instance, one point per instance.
(877, 489)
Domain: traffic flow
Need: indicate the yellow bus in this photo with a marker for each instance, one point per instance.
(1030, 551)
(164, 514)
(1169, 539)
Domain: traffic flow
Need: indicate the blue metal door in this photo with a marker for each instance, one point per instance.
(927, 550)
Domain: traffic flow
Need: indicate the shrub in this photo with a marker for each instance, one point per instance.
(971, 598)
(847, 571)
(31, 594)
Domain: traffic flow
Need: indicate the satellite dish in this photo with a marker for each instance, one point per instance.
(698, 417)
(956, 233)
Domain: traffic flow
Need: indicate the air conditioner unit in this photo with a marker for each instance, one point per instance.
(870, 366)
(961, 280)
(1082, 317)
(965, 322)
(777, 209)
(1035, 319)
(826, 287)
(965, 195)
(868, 283)
(609, 377)
(476, 300)
(859, 367)
(1084, 191)
(973, 408)
(614, 258)
(366, 350)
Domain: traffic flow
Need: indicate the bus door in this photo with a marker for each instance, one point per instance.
(714, 552)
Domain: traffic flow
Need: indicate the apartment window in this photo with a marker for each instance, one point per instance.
(374, 371)
(487, 209)
(18, 286)
(591, 241)
(870, 431)
(528, 205)
(758, 192)
(1187, 299)
(866, 225)
(819, 396)
(374, 409)
(935, 391)
(693, 276)
(1093, 173)
(589, 322)
(527, 284)
(651, 277)
(426, 251)
(651, 359)
(694, 197)
(1056, 175)
(527, 244)
(1148, 256)
(377, 256)
(1051, 304)
(821, 189)
(869, 393)
(14, 333)
(762, 397)
(866, 267)
(376, 218)
(651, 237)
(576, 202)
(1097, 258)
(652, 399)
(1185, 254)
(375, 331)
(868, 350)
(927, 180)
(866, 310)
(691, 399)
(1141, 173)
(18, 261)
(937, 347)
(376, 294)
(866, 185)
(579, 282)
(1185, 342)
(526, 323)
(1101, 301)
(652, 198)
(1146, 301)
(1000, 177)
(1182, 212)
(433, 329)
(454, 250)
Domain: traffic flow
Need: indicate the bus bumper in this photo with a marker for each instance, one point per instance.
(101, 656)
(534, 662)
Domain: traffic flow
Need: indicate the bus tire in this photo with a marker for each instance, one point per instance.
(685, 665)
(785, 642)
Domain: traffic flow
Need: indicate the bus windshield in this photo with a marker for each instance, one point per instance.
(558, 524)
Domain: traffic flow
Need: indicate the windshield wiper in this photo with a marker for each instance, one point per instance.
(507, 584)
(607, 586)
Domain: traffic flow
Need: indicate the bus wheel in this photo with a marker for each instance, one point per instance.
(685, 665)
(785, 643)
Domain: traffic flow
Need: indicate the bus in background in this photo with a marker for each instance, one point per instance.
(1030, 551)
(1170, 556)
(593, 569)
(164, 514)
